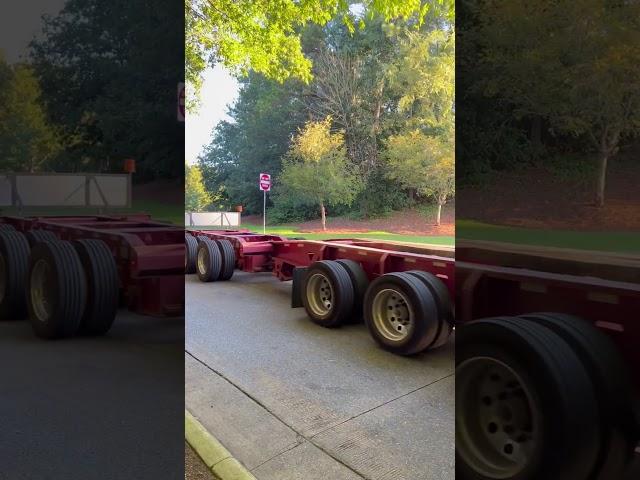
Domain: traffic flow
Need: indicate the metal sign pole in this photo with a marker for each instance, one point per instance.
(264, 212)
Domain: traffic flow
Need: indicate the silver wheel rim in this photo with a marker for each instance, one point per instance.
(497, 420)
(202, 260)
(392, 315)
(3, 279)
(40, 290)
(320, 294)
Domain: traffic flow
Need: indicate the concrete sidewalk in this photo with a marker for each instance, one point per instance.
(291, 400)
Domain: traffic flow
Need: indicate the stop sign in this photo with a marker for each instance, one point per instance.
(265, 182)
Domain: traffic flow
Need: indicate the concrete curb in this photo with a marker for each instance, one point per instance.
(213, 454)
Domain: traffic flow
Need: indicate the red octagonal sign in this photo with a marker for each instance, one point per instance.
(265, 182)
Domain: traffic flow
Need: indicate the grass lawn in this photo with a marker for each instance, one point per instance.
(289, 231)
(600, 241)
(159, 211)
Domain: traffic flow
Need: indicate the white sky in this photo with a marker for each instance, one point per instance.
(20, 22)
(219, 90)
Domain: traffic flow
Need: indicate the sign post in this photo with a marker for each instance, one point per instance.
(265, 185)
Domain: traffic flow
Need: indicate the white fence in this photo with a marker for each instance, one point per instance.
(209, 219)
(65, 190)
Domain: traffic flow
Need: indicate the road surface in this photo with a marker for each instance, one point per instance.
(93, 408)
(292, 400)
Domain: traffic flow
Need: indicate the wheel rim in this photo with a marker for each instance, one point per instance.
(3, 279)
(320, 294)
(497, 422)
(392, 314)
(40, 290)
(202, 261)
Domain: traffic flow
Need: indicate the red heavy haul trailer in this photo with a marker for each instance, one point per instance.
(547, 363)
(69, 274)
(404, 293)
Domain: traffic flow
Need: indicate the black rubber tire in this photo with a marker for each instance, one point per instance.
(191, 253)
(7, 227)
(14, 250)
(228, 254)
(102, 286)
(558, 381)
(613, 388)
(441, 294)
(200, 238)
(38, 235)
(211, 258)
(423, 305)
(342, 306)
(360, 283)
(66, 290)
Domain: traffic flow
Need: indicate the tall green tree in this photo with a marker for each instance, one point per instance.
(196, 197)
(315, 170)
(264, 118)
(28, 141)
(575, 65)
(109, 73)
(264, 36)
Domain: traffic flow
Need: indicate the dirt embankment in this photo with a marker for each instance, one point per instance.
(538, 198)
(407, 222)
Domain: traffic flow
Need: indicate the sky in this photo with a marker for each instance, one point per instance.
(219, 90)
(20, 21)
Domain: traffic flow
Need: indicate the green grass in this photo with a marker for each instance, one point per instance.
(159, 211)
(600, 241)
(289, 231)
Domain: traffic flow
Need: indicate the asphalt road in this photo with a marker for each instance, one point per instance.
(103, 408)
(292, 400)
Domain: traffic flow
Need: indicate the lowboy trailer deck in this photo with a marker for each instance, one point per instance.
(402, 292)
(69, 274)
(547, 362)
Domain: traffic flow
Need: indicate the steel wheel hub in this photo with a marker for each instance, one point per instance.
(202, 261)
(320, 294)
(41, 290)
(392, 314)
(497, 428)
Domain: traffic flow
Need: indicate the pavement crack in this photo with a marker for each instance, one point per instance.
(300, 435)
(331, 427)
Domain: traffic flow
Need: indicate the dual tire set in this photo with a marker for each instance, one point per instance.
(64, 288)
(405, 312)
(212, 260)
(541, 395)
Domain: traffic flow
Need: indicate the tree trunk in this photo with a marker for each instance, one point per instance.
(439, 214)
(602, 179)
(323, 214)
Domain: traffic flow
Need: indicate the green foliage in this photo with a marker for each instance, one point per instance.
(316, 171)
(385, 79)
(109, 73)
(264, 36)
(541, 78)
(196, 198)
(27, 139)
(265, 117)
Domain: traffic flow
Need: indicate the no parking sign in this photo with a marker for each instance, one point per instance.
(265, 182)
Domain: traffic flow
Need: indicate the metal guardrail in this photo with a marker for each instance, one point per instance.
(210, 219)
(99, 190)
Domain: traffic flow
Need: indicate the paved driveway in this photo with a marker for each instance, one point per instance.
(107, 408)
(292, 400)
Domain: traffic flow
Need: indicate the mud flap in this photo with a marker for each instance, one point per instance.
(296, 289)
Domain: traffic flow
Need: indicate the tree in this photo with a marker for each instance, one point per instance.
(316, 171)
(109, 73)
(576, 65)
(425, 164)
(196, 197)
(264, 36)
(264, 118)
(27, 139)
